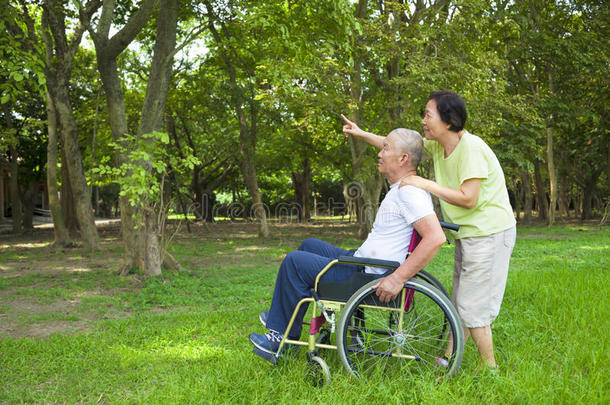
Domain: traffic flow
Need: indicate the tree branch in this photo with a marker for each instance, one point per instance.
(189, 38)
(81, 27)
(127, 34)
(105, 22)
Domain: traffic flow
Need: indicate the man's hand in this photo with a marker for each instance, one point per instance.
(389, 287)
(351, 128)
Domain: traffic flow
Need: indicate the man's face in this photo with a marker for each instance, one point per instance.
(432, 123)
(388, 158)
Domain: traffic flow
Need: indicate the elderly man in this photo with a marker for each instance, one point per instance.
(402, 210)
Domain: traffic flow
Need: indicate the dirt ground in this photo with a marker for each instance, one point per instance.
(28, 264)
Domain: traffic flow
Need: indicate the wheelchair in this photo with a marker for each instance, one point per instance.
(408, 335)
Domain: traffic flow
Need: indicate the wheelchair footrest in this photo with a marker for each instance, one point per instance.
(267, 356)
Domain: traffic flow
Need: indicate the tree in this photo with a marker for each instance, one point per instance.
(556, 58)
(242, 95)
(140, 224)
(59, 59)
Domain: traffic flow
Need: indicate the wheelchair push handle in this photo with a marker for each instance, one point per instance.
(450, 226)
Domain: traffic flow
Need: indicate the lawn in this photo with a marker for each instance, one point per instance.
(72, 330)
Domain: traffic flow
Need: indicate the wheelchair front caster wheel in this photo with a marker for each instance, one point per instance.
(317, 372)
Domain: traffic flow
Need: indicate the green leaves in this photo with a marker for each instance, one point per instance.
(148, 163)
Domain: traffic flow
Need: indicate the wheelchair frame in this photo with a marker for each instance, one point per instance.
(364, 299)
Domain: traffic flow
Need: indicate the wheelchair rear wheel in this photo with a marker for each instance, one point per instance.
(393, 339)
(430, 279)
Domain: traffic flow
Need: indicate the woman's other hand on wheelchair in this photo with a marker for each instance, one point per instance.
(389, 287)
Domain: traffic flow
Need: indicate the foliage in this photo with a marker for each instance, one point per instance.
(142, 177)
(20, 67)
(294, 65)
(22, 83)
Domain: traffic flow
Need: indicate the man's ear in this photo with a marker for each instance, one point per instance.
(404, 159)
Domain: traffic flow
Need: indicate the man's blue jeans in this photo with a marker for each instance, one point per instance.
(297, 276)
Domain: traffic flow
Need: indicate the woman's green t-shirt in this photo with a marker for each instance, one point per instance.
(473, 159)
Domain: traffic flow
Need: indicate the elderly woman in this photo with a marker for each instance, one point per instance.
(471, 186)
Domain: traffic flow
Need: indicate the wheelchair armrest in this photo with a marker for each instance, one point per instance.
(451, 226)
(366, 261)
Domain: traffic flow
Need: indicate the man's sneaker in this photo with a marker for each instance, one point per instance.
(269, 342)
(263, 316)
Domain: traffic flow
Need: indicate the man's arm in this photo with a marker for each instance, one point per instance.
(350, 128)
(433, 238)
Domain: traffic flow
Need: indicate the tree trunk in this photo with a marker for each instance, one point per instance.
(540, 192)
(67, 200)
(119, 127)
(607, 162)
(518, 197)
(551, 161)
(370, 180)
(80, 190)
(28, 206)
(197, 191)
(563, 196)
(59, 61)
(60, 231)
(351, 202)
(248, 169)
(588, 194)
(141, 241)
(16, 207)
(552, 176)
(2, 198)
(300, 183)
(150, 245)
(587, 211)
(578, 204)
(527, 196)
(247, 136)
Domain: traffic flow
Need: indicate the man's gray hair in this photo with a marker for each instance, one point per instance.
(410, 142)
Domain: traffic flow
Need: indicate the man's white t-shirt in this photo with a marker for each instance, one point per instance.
(389, 239)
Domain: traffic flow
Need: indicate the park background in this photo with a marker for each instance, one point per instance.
(158, 158)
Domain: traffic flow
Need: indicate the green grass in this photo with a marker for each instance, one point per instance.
(183, 338)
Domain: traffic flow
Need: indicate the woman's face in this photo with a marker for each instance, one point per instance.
(432, 123)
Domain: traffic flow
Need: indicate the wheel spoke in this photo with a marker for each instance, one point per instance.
(374, 340)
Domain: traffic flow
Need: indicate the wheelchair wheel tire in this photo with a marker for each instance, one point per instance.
(317, 372)
(430, 279)
(385, 340)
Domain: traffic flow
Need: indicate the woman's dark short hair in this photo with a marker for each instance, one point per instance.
(451, 108)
